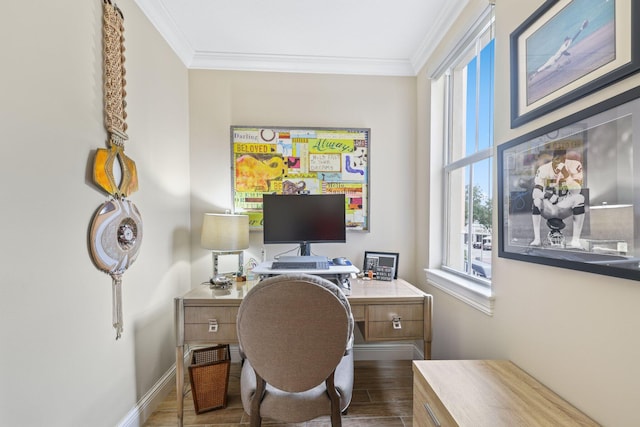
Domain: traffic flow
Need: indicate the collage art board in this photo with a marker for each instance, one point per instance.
(300, 161)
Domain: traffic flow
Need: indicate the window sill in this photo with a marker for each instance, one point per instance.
(477, 296)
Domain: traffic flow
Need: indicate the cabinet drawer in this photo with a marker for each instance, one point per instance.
(386, 312)
(428, 411)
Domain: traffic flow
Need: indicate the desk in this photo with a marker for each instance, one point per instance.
(496, 393)
(208, 316)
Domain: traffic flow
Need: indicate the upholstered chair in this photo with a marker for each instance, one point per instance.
(296, 334)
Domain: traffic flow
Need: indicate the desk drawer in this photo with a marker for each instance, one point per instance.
(226, 333)
(197, 319)
(380, 322)
(386, 312)
(358, 313)
(384, 331)
(202, 314)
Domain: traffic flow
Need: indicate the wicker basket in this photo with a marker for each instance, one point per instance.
(209, 376)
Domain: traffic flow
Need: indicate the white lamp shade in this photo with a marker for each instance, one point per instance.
(225, 232)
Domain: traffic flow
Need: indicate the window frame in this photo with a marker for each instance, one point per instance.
(474, 291)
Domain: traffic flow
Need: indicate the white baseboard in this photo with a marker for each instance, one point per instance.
(151, 400)
(137, 416)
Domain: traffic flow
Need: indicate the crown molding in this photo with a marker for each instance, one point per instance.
(435, 35)
(300, 64)
(160, 18)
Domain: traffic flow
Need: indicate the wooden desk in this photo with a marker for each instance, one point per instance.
(493, 393)
(207, 316)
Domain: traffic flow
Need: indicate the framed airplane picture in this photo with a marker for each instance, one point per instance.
(569, 48)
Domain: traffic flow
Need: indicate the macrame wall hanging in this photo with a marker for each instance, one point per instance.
(116, 229)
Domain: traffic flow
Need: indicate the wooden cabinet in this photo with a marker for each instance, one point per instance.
(428, 410)
(492, 393)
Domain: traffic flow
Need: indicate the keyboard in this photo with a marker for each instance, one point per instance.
(301, 263)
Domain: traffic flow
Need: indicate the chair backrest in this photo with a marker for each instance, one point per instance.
(294, 329)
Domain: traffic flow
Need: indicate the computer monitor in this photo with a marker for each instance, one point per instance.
(304, 219)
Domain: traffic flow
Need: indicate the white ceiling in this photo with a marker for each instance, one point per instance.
(371, 37)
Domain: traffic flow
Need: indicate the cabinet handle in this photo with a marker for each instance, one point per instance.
(213, 325)
(432, 415)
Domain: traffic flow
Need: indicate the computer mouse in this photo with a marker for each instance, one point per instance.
(340, 261)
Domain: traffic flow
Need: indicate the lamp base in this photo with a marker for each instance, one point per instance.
(216, 255)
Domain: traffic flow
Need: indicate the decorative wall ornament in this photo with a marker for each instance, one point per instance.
(116, 229)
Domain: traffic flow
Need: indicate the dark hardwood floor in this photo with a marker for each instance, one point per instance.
(382, 397)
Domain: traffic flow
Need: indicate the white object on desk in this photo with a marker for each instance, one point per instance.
(339, 274)
(265, 268)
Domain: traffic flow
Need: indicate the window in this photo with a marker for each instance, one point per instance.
(462, 112)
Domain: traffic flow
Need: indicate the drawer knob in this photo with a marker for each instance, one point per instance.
(396, 322)
(213, 325)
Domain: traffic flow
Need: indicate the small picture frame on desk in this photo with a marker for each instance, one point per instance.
(384, 273)
(373, 261)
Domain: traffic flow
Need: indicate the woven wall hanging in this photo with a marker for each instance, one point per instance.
(116, 229)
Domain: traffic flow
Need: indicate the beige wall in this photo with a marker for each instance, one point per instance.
(219, 99)
(60, 364)
(574, 331)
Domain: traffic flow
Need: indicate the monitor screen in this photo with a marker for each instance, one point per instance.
(302, 219)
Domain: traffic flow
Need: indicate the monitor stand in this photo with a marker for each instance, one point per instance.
(338, 274)
(305, 249)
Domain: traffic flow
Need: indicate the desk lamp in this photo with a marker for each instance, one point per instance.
(225, 234)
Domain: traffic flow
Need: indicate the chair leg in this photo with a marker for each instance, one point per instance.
(255, 417)
(336, 417)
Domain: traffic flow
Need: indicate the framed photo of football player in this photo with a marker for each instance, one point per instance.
(566, 191)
